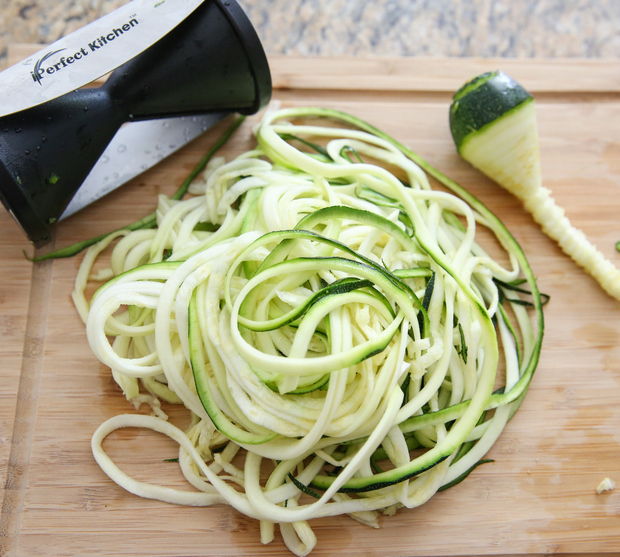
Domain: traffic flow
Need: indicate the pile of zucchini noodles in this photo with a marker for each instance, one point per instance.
(328, 319)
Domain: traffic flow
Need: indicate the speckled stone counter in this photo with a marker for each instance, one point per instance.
(487, 28)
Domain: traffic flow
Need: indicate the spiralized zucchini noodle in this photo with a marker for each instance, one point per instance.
(329, 320)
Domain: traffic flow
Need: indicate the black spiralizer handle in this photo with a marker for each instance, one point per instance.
(211, 62)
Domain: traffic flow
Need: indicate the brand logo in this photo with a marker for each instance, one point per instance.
(40, 71)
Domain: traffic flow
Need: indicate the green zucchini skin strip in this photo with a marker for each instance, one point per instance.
(360, 215)
(339, 287)
(464, 474)
(381, 480)
(305, 389)
(369, 266)
(199, 370)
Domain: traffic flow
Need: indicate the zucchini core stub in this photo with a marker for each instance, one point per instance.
(493, 124)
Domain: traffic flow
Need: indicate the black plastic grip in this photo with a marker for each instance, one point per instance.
(213, 61)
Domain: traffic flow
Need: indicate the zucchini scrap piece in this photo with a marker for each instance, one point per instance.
(493, 124)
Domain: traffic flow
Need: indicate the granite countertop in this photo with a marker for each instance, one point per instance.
(486, 28)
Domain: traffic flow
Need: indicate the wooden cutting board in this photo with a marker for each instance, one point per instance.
(538, 496)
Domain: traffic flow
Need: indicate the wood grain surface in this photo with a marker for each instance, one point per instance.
(538, 497)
